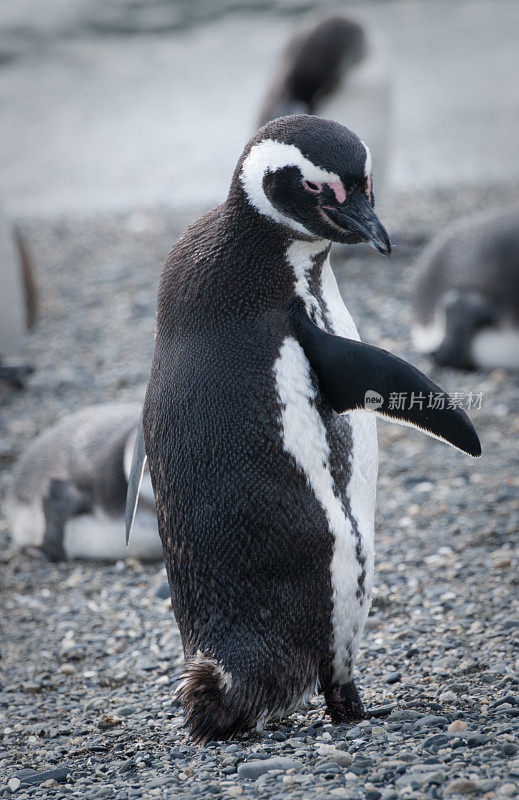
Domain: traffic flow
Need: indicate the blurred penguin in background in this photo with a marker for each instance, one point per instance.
(17, 301)
(68, 494)
(332, 67)
(466, 300)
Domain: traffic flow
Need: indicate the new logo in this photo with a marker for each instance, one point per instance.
(373, 400)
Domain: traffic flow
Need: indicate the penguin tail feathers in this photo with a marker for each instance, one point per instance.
(212, 708)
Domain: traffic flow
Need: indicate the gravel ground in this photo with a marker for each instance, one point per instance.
(91, 654)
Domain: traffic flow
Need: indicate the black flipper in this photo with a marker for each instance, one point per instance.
(135, 479)
(353, 375)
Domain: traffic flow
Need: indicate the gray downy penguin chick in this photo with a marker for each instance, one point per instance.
(466, 300)
(265, 488)
(69, 488)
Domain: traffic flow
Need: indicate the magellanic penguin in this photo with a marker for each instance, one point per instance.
(466, 300)
(337, 68)
(265, 489)
(69, 488)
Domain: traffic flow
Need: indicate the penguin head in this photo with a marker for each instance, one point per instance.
(313, 176)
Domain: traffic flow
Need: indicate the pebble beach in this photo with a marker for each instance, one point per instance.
(90, 653)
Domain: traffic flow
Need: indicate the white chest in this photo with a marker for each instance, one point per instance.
(305, 438)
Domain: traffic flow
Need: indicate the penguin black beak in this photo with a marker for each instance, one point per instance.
(355, 215)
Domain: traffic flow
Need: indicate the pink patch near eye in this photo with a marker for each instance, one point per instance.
(339, 191)
(314, 188)
(369, 186)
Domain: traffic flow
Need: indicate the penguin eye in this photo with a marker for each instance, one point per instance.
(314, 188)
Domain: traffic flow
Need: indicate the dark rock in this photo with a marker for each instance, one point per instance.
(405, 715)
(253, 769)
(59, 774)
(362, 761)
(380, 711)
(477, 740)
(355, 733)
(125, 711)
(327, 767)
(438, 740)
(163, 592)
(430, 721)
(509, 698)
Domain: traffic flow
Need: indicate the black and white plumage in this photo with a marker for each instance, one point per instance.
(68, 492)
(466, 300)
(265, 493)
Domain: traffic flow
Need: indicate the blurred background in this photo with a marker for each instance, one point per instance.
(122, 121)
(122, 104)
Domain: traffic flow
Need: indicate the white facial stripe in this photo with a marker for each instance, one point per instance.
(268, 156)
(367, 163)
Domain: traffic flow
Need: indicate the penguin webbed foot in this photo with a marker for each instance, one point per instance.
(344, 703)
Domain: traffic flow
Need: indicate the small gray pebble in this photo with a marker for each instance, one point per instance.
(430, 721)
(125, 711)
(253, 769)
(477, 740)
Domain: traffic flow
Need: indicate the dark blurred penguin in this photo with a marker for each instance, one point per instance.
(314, 61)
(265, 486)
(333, 67)
(17, 301)
(69, 490)
(466, 301)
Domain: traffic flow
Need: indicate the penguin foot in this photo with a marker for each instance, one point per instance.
(344, 703)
